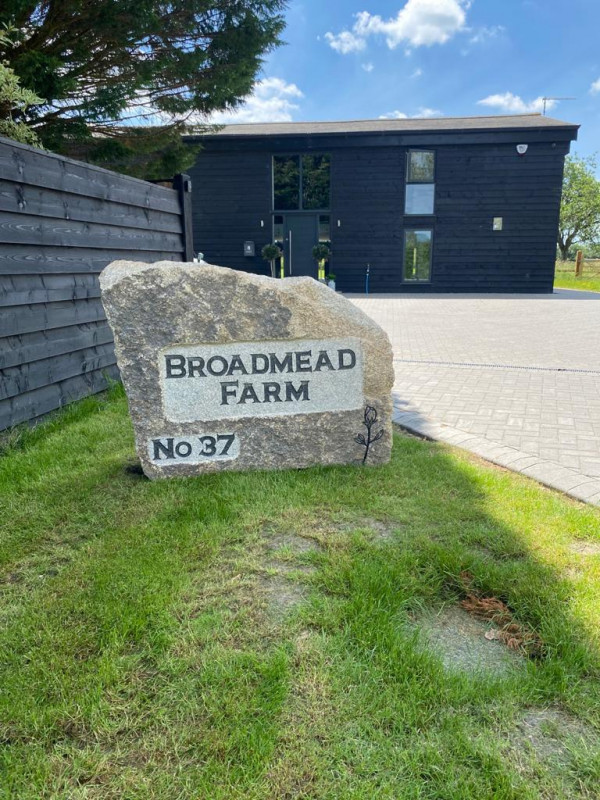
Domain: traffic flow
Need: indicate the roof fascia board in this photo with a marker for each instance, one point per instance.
(319, 140)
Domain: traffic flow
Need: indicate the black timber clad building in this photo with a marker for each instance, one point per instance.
(438, 205)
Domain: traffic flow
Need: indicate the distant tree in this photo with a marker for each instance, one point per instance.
(580, 205)
(591, 250)
(14, 101)
(106, 65)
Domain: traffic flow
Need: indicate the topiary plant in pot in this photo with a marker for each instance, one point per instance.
(321, 253)
(270, 253)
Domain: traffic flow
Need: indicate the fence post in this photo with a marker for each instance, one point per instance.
(183, 184)
(579, 264)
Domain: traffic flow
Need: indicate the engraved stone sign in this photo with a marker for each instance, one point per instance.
(226, 370)
(261, 379)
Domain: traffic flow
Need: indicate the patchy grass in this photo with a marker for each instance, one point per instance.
(262, 636)
(564, 277)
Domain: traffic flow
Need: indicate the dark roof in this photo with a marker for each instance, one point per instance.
(439, 124)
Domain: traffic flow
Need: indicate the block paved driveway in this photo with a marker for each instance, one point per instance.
(513, 378)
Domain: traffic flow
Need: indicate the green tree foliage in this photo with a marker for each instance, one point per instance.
(123, 79)
(580, 205)
(14, 102)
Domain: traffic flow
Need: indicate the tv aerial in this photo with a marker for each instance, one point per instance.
(545, 101)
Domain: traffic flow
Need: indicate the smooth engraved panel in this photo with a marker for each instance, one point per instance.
(261, 379)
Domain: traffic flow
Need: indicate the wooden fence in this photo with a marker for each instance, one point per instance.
(61, 222)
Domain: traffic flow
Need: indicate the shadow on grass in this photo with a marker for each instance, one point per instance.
(127, 664)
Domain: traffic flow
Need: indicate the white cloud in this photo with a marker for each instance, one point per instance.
(345, 42)
(513, 104)
(422, 113)
(394, 115)
(273, 100)
(417, 73)
(487, 32)
(425, 112)
(595, 87)
(419, 23)
(368, 67)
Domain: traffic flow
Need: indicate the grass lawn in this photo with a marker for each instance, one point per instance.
(291, 635)
(564, 277)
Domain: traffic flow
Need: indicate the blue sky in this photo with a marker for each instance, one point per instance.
(364, 59)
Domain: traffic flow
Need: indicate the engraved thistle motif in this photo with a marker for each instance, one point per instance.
(370, 419)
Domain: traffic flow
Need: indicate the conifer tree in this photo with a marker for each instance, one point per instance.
(122, 79)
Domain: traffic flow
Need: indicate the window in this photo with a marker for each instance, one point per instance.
(419, 199)
(324, 229)
(315, 182)
(286, 183)
(417, 255)
(420, 186)
(301, 183)
(420, 168)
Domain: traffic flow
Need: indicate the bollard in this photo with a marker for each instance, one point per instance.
(579, 264)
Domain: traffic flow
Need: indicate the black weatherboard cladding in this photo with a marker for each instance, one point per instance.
(479, 175)
(231, 196)
(61, 223)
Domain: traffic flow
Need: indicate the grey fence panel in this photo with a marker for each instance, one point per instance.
(31, 405)
(61, 223)
(22, 350)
